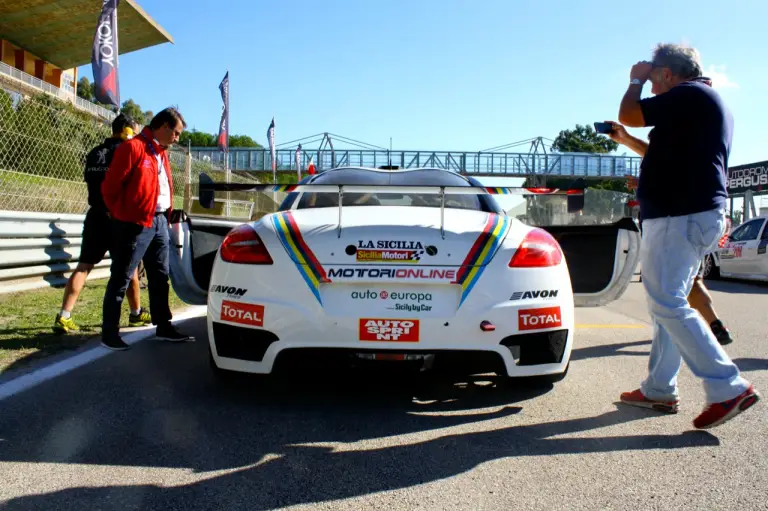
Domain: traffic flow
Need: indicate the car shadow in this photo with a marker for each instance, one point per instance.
(729, 285)
(610, 350)
(286, 441)
(293, 473)
(751, 364)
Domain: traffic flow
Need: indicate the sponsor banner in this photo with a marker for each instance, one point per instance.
(223, 138)
(753, 176)
(388, 330)
(104, 60)
(244, 313)
(355, 300)
(538, 319)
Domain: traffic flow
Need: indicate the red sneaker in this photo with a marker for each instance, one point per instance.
(718, 413)
(636, 398)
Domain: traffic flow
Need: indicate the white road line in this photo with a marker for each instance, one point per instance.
(46, 373)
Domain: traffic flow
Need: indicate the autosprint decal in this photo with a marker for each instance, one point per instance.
(407, 301)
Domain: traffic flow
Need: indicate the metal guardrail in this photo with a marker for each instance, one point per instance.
(44, 86)
(472, 163)
(40, 250)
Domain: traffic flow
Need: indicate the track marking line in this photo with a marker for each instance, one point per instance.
(612, 326)
(38, 376)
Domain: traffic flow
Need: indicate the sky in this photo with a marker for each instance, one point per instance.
(438, 75)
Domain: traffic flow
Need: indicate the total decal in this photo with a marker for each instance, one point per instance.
(538, 319)
(395, 296)
(389, 330)
(389, 251)
(249, 314)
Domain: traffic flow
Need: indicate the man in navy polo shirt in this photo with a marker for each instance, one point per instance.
(682, 196)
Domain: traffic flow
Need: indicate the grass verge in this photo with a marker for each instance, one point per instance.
(26, 319)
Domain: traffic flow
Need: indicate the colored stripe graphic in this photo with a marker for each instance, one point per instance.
(480, 254)
(309, 267)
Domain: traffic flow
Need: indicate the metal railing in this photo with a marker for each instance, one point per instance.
(473, 163)
(40, 250)
(67, 95)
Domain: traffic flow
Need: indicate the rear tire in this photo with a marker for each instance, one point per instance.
(711, 270)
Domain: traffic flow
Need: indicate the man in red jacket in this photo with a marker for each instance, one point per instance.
(138, 192)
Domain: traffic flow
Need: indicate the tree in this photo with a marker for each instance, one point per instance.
(203, 139)
(85, 89)
(583, 139)
(133, 109)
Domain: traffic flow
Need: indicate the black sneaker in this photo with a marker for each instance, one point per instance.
(722, 334)
(168, 332)
(114, 343)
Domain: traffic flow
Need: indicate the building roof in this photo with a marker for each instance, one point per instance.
(61, 31)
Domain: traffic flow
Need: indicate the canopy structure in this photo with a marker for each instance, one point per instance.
(61, 31)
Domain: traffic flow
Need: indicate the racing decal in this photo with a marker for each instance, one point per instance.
(536, 319)
(481, 253)
(539, 293)
(409, 301)
(306, 262)
(228, 290)
(392, 330)
(388, 251)
(392, 273)
(244, 313)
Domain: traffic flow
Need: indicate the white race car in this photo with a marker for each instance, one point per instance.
(417, 265)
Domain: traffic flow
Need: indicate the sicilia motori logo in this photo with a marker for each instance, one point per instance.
(390, 251)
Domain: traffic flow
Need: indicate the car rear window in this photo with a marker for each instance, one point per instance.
(426, 177)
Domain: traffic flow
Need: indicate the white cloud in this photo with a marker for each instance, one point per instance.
(720, 79)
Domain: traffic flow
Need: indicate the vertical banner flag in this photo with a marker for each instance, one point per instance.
(298, 161)
(271, 138)
(223, 140)
(104, 56)
(311, 167)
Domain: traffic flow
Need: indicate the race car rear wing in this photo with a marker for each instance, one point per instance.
(575, 194)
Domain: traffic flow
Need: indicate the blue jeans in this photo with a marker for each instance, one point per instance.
(130, 244)
(672, 249)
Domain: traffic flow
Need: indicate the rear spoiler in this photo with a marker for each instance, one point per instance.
(575, 193)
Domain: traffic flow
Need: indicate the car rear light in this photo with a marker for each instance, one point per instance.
(537, 250)
(242, 245)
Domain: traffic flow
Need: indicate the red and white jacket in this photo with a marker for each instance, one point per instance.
(131, 186)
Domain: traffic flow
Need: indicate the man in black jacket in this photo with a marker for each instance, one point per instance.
(97, 232)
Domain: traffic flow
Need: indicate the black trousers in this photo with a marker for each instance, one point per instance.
(132, 243)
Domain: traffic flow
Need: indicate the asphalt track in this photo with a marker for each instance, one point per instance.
(151, 429)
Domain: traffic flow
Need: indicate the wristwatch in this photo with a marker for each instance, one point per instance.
(636, 81)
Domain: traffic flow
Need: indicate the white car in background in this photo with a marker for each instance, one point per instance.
(743, 255)
(395, 275)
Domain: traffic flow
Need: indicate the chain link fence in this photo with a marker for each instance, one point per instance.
(43, 144)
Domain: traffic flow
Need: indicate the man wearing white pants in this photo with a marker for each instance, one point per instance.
(682, 196)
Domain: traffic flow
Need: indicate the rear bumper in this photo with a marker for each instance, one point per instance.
(252, 350)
